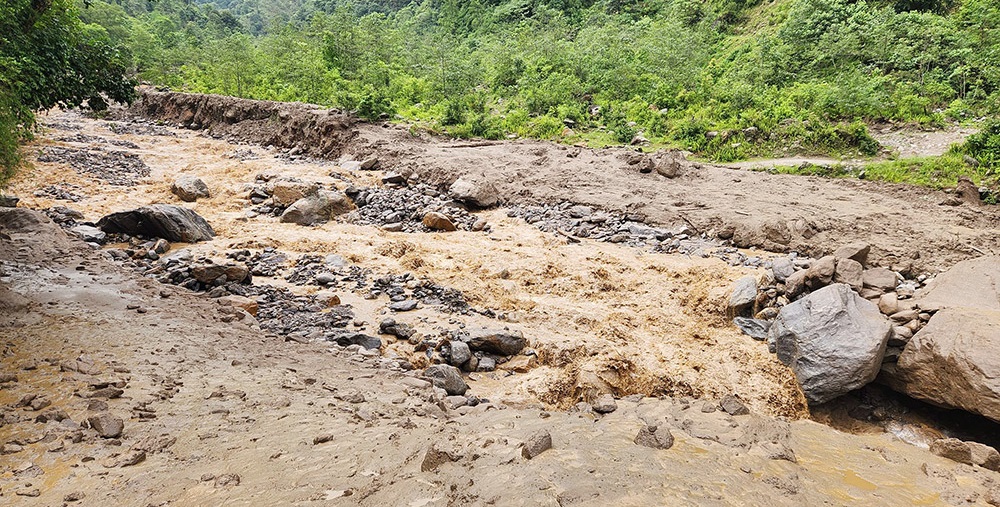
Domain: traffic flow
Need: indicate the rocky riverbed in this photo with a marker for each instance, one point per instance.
(254, 323)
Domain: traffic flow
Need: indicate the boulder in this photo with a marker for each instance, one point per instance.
(89, 234)
(448, 378)
(322, 206)
(474, 193)
(850, 272)
(172, 223)
(657, 437)
(832, 339)
(213, 272)
(743, 295)
(754, 328)
(820, 274)
(189, 188)
(974, 283)
(782, 267)
(348, 338)
(857, 252)
(438, 222)
(952, 362)
(537, 443)
(8, 201)
(496, 341)
(880, 279)
(795, 284)
(953, 449)
(286, 192)
(984, 456)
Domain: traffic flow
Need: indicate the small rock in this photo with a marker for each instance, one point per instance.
(821, 273)
(795, 284)
(244, 303)
(851, 272)
(75, 496)
(953, 449)
(89, 234)
(880, 279)
(225, 480)
(743, 295)
(605, 404)
(460, 353)
(855, 251)
(888, 303)
(655, 437)
(782, 268)
(107, 425)
(537, 443)
(435, 457)
(733, 406)
(754, 328)
(189, 188)
(438, 222)
(404, 306)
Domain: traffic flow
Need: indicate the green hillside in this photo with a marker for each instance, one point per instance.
(727, 79)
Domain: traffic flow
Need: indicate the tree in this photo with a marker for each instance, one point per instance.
(48, 58)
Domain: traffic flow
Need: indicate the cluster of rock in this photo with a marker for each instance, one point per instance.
(834, 320)
(471, 350)
(840, 324)
(61, 192)
(119, 168)
(579, 221)
(297, 201)
(418, 208)
(99, 423)
(139, 127)
(88, 139)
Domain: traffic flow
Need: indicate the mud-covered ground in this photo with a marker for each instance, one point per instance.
(207, 398)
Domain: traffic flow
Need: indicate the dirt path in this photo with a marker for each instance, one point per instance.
(207, 398)
(907, 142)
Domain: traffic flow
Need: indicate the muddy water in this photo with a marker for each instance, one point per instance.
(601, 317)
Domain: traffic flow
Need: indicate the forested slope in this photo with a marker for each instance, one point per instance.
(728, 79)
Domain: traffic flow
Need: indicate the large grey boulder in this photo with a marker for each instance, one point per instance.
(189, 188)
(172, 223)
(471, 191)
(320, 207)
(953, 362)
(974, 283)
(833, 340)
(448, 378)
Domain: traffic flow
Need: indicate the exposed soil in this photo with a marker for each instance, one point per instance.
(231, 410)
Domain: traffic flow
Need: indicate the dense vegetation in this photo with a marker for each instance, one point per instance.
(725, 78)
(728, 79)
(48, 58)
